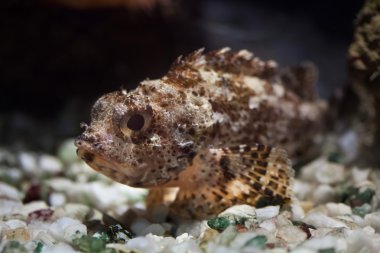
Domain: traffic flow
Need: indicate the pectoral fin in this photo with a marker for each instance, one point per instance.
(220, 178)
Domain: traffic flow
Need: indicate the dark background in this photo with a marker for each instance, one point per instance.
(55, 61)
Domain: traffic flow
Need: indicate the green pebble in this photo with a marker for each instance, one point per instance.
(90, 244)
(356, 198)
(257, 241)
(38, 247)
(335, 157)
(103, 236)
(14, 247)
(362, 210)
(219, 223)
(347, 194)
(366, 196)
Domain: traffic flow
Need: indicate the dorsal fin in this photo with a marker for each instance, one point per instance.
(185, 70)
(242, 62)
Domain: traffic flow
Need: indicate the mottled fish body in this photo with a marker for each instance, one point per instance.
(216, 126)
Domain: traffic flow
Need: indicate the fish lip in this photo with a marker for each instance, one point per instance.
(93, 158)
(88, 153)
(98, 164)
(101, 163)
(81, 142)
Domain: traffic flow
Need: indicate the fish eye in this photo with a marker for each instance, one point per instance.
(135, 122)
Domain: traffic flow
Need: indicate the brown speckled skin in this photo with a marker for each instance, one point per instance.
(205, 102)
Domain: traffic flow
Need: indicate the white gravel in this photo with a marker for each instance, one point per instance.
(57, 204)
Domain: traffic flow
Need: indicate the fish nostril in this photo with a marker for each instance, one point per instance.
(78, 142)
(98, 146)
(83, 125)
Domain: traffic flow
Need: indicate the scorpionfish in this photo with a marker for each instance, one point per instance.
(219, 128)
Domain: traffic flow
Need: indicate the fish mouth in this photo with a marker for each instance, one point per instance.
(121, 173)
(114, 171)
(101, 164)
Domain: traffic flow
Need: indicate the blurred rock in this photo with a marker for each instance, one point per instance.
(364, 67)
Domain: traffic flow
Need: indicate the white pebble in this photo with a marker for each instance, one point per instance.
(323, 193)
(359, 241)
(321, 232)
(67, 152)
(28, 162)
(213, 247)
(276, 250)
(348, 220)
(303, 250)
(33, 206)
(241, 239)
(192, 227)
(59, 248)
(323, 172)
(291, 234)
(373, 220)
(337, 209)
(330, 173)
(81, 171)
(349, 143)
(269, 225)
(155, 229)
(302, 189)
(143, 245)
(369, 230)
(39, 231)
(358, 220)
(267, 212)
(188, 246)
(318, 219)
(61, 184)
(67, 229)
(297, 211)
(359, 175)
(9, 207)
(57, 199)
(308, 171)
(227, 236)
(326, 242)
(12, 224)
(77, 211)
(183, 237)
(15, 174)
(9, 192)
(49, 164)
(100, 194)
(284, 219)
(240, 211)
